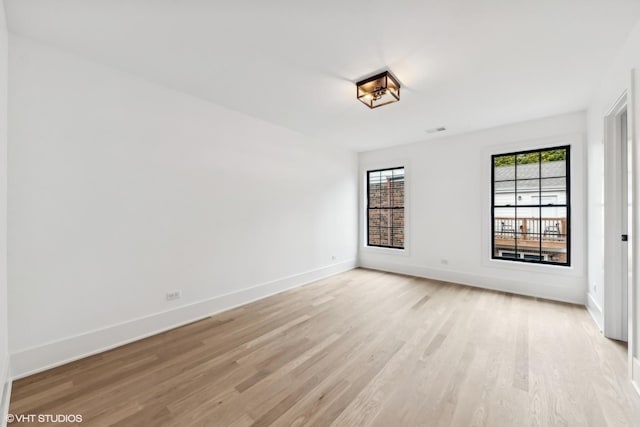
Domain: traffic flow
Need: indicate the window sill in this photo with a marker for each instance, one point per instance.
(532, 267)
(385, 251)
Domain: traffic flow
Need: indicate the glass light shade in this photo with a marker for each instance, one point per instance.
(378, 90)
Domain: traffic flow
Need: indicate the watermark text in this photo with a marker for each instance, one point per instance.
(44, 418)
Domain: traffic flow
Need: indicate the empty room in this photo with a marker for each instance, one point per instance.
(332, 213)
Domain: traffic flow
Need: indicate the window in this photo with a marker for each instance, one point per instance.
(530, 206)
(385, 208)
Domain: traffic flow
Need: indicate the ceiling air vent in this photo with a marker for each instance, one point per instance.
(436, 130)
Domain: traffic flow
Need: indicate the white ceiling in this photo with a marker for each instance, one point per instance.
(464, 64)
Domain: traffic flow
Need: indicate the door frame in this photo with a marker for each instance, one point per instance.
(633, 118)
(614, 324)
(612, 221)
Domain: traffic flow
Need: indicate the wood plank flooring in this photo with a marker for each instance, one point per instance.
(363, 348)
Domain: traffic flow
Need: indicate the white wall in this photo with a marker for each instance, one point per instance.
(614, 83)
(122, 190)
(448, 209)
(4, 352)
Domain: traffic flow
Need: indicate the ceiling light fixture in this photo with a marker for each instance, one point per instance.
(378, 90)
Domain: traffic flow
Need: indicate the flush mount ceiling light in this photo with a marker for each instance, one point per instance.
(378, 90)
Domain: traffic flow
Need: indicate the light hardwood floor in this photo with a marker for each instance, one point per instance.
(359, 348)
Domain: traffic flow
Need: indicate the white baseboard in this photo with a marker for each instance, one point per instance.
(595, 311)
(36, 359)
(538, 290)
(5, 390)
(4, 403)
(4, 371)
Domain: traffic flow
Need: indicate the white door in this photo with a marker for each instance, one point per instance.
(626, 214)
(618, 220)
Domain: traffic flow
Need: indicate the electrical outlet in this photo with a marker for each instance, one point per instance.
(444, 261)
(173, 295)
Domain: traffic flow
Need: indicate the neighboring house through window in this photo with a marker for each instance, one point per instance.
(531, 220)
(385, 208)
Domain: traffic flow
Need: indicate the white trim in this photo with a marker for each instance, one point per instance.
(595, 310)
(612, 321)
(5, 390)
(5, 402)
(384, 251)
(46, 356)
(4, 371)
(363, 248)
(634, 224)
(635, 376)
(547, 290)
(578, 210)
